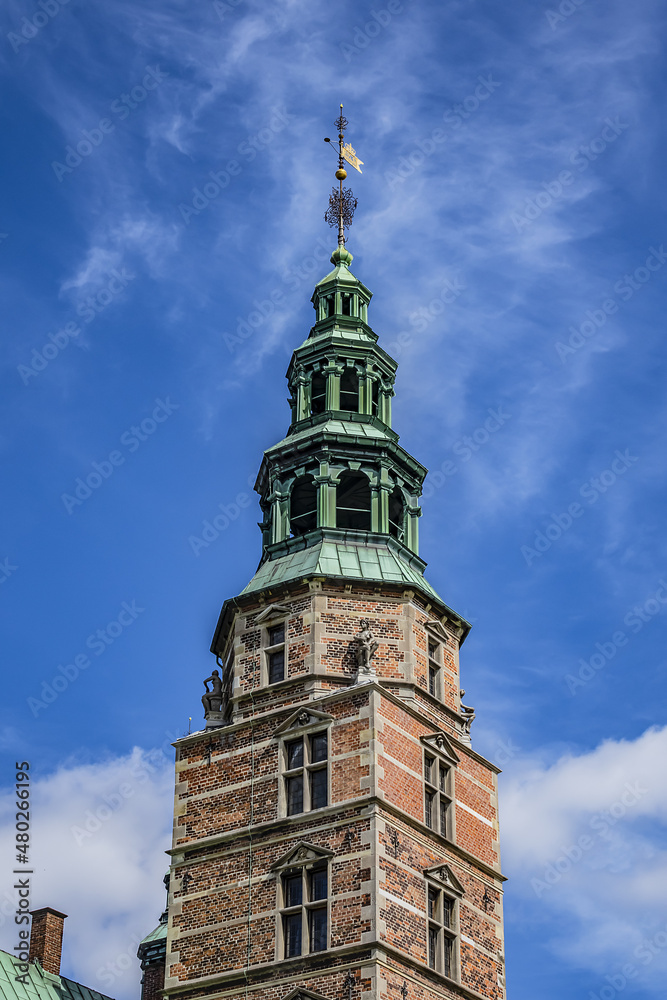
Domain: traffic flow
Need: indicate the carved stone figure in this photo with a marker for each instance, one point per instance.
(467, 715)
(212, 700)
(366, 647)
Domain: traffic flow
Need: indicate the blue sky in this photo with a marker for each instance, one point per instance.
(511, 225)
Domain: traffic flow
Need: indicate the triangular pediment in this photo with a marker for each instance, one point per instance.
(302, 853)
(441, 744)
(301, 719)
(437, 628)
(444, 875)
(300, 994)
(272, 611)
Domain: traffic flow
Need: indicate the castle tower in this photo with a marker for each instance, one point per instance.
(335, 833)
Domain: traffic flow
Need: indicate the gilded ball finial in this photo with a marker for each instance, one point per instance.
(341, 174)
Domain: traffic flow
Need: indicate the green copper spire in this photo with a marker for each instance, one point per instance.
(340, 496)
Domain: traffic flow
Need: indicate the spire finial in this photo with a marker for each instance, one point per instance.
(342, 202)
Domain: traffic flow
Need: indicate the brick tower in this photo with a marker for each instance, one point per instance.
(335, 834)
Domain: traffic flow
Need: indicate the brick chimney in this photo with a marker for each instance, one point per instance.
(46, 938)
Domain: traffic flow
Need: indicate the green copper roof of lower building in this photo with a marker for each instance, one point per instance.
(159, 934)
(39, 985)
(341, 558)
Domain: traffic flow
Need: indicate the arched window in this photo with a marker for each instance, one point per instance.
(318, 392)
(396, 513)
(353, 502)
(303, 506)
(349, 390)
(346, 304)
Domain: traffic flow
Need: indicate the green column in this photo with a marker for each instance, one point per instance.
(382, 522)
(326, 497)
(279, 516)
(385, 405)
(366, 393)
(412, 515)
(303, 395)
(333, 373)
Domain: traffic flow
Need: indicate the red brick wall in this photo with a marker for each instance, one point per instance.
(223, 922)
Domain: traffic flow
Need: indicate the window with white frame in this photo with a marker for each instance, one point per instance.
(438, 795)
(275, 652)
(306, 772)
(442, 930)
(304, 909)
(434, 664)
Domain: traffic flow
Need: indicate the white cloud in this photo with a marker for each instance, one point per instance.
(584, 845)
(98, 832)
(95, 268)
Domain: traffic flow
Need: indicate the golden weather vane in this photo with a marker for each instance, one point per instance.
(342, 202)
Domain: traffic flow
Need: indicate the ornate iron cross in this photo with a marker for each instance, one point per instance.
(342, 202)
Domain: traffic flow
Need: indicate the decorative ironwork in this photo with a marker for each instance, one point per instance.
(404, 990)
(341, 122)
(349, 984)
(340, 206)
(342, 202)
(393, 836)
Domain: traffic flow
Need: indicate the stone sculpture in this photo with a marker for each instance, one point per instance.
(366, 647)
(467, 715)
(212, 700)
